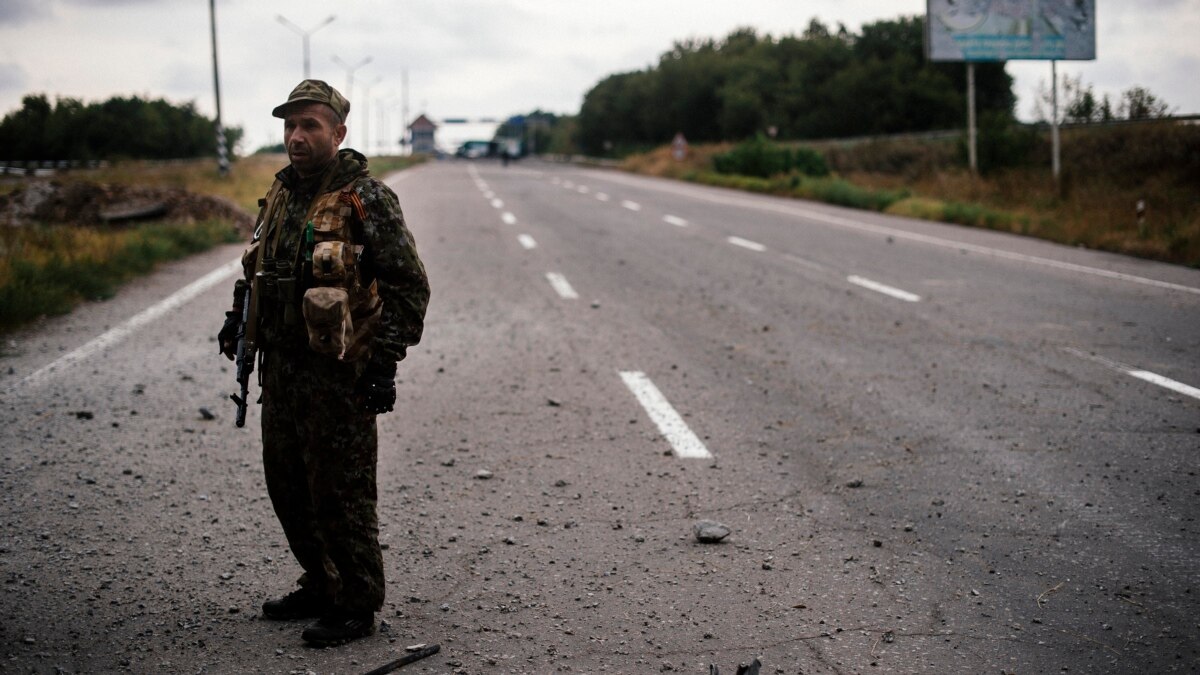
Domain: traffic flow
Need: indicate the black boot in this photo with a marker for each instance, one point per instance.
(299, 604)
(338, 627)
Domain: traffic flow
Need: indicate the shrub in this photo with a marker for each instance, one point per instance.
(761, 158)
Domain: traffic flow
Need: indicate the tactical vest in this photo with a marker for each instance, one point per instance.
(341, 310)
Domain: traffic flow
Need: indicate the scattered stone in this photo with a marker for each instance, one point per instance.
(84, 414)
(855, 483)
(710, 532)
(448, 462)
(483, 474)
(207, 415)
(553, 403)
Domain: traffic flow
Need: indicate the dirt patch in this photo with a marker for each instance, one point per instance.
(86, 203)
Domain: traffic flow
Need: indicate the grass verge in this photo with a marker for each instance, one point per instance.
(48, 270)
(1093, 206)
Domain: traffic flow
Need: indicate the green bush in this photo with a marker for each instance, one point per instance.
(761, 158)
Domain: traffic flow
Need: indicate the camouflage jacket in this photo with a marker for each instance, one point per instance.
(389, 254)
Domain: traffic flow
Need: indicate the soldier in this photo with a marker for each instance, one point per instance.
(337, 295)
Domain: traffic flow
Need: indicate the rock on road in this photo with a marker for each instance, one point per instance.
(934, 449)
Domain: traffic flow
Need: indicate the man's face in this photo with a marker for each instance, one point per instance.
(311, 134)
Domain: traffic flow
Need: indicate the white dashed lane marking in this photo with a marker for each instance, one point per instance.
(885, 289)
(669, 423)
(497, 203)
(508, 218)
(632, 206)
(602, 196)
(675, 220)
(561, 286)
(746, 243)
(526, 241)
(1143, 375)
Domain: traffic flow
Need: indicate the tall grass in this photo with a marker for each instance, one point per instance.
(47, 270)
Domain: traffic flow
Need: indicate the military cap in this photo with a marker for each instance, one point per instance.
(315, 91)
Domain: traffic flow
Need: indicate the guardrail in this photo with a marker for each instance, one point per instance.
(47, 167)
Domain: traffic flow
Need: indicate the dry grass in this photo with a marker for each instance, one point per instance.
(1108, 171)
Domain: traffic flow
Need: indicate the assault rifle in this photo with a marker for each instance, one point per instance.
(245, 363)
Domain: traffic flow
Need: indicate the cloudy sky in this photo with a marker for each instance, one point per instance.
(478, 58)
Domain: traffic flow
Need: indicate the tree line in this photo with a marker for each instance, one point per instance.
(822, 83)
(119, 128)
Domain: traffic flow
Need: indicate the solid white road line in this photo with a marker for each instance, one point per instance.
(527, 241)
(122, 331)
(746, 243)
(1144, 375)
(632, 206)
(886, 290)
(675, 220)
(559, 282)
(602, 196)
(508, 218)
(496, 203)
(670, 424)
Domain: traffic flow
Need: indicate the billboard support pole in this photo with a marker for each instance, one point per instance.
(1056, 160)
(972, 130)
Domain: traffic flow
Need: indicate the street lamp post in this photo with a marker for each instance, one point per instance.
(366, 114)
(350, 78)
(304, 35)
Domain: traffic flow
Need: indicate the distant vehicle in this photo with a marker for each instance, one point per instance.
(476, 149)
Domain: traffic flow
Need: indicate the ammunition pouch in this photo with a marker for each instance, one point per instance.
(341, 311)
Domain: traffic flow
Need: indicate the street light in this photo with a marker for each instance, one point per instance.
(350, 76)
(366, 114)
(304, 35)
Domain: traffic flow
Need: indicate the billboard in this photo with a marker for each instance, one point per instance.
(1004, 30)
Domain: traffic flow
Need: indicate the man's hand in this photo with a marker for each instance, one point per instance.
(376, 387)
(227, 339)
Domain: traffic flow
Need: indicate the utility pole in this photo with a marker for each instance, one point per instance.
(304, 34)
(222, 151)
(404, 111)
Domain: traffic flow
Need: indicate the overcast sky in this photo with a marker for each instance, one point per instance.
(478, 58)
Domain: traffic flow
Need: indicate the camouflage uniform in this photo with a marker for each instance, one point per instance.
(319, 448)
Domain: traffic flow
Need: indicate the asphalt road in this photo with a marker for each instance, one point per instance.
(937, 449)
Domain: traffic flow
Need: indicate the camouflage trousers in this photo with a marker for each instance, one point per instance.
(319, 454)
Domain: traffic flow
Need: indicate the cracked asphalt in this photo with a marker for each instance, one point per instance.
(936, 450)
